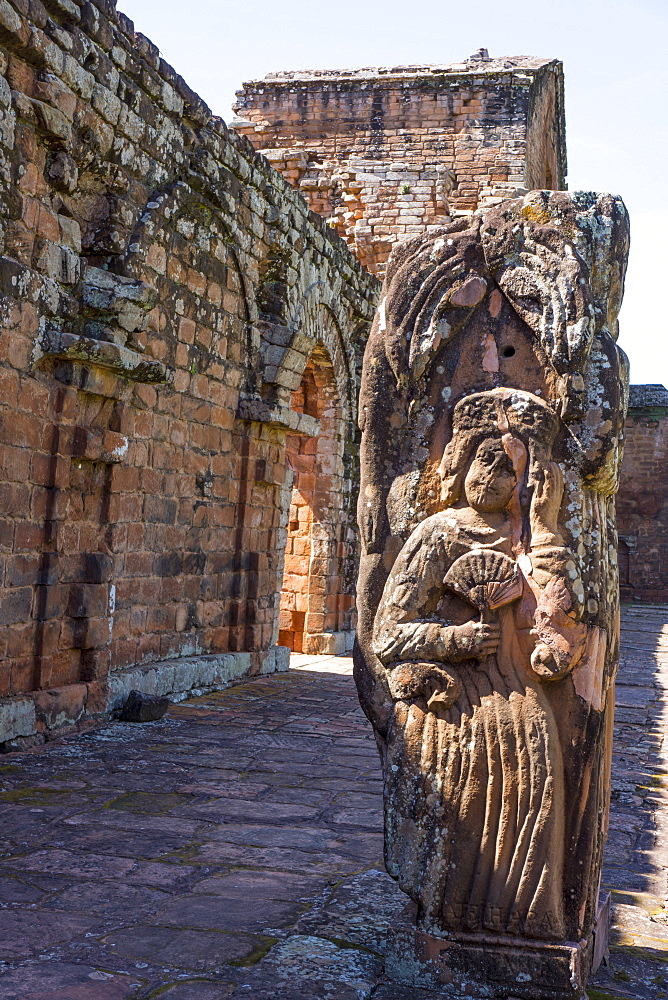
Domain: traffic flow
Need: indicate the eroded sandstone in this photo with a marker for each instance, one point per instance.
(492, 409)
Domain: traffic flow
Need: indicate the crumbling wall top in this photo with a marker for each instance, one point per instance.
(641, 396)
(479, 63)
(386, 153)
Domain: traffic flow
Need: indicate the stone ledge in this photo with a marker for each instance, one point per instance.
(476, 64)
(65, 346)
(185, 678)
(274, 415)
(27, 720)
(650, 396)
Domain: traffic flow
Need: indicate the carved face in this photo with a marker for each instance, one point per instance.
(490, 481)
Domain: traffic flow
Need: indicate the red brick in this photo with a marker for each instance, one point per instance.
(22, 676)
(28, 536)
(66, 704)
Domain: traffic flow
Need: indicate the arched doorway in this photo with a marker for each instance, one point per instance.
(316, 613)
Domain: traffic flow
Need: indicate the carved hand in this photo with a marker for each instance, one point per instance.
(547, 664)
(548, 491)
(476, 639)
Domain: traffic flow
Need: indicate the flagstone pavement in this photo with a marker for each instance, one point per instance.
(234, 848)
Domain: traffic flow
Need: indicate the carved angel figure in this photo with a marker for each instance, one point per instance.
(492, 406)
(475, 620)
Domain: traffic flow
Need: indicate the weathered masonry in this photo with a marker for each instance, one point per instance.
(389, 154)
(181, 343)
(642, 503)
(383, 154)
(181, 338)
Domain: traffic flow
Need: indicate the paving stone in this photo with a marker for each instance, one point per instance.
(244, 885)
(79, 864)
(277, 858)
(262, 812)
(198, 990)
(303, 837)
(107, 899)
(359, 910)
(102, 866)
(25, 932)
(226, 789)
(209, 912)
(181, 949)
(391, 991)
(316, 798)
(149, 802)
(304, 966)
(137, 823)
(67, 981)
(13, 890)
(133, 845)
(368, 819)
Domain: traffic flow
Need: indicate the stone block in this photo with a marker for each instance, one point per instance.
(17, 718)
(176, 678)
(140, 707)
(277, 660)
(60, 706)
(331, 643)
(484, 966)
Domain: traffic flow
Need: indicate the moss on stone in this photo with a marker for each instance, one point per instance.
(262, 948)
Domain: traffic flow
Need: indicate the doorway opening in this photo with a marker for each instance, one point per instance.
(313, 605)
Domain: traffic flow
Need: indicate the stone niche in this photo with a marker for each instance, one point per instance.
(492, 407)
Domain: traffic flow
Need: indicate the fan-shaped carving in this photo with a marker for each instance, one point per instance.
(485, 578)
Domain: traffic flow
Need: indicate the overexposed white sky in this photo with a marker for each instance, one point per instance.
(616, 90)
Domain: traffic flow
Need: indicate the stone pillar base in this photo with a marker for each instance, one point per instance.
(330, 643)
(488, 966)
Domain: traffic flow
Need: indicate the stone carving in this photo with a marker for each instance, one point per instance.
(492, 412)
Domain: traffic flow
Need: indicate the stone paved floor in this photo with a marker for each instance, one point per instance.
(234, 848)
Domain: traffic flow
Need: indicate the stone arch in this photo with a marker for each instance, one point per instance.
(320, 320)
(307, 385)
(317, 318)
(317, 605)
(205, 236)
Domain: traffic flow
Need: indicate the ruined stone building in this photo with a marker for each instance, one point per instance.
(181, 342)
(385, 154)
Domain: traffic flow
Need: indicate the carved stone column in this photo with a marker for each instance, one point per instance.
(492, 409)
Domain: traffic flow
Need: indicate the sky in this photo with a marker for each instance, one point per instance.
(616, 75)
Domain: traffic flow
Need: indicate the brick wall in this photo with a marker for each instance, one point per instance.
(386, 154)
(642, 501)
(162, 290)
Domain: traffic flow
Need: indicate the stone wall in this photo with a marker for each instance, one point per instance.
(386, 154)
(642, 502)
(163, 291)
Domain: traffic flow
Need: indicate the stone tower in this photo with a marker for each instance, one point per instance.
(387, 154)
